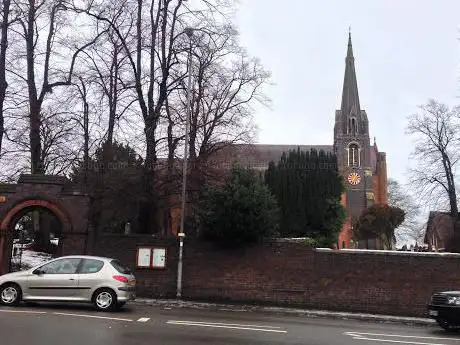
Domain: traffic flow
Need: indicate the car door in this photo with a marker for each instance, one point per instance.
(56, 280)
(90, 277)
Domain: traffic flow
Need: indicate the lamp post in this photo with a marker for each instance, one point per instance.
(189, 33)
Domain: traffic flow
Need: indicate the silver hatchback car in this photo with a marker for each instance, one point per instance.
(104, 282)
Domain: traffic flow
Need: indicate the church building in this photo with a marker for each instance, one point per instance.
(361, 164)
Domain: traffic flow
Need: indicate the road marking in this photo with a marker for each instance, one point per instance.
(225, 324)
(358, 334)
(93, 316)
(22, 311)
(185, 323)
(143, 319)
(397, 341)
(366, 336)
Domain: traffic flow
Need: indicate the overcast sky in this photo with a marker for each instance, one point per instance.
(405, 53)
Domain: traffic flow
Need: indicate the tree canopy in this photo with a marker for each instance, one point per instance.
(239, 212)
(436, 152)
(412, 228)
(113, 179)
(308, 188)
(379, 221)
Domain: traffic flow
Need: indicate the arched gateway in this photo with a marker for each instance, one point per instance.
(55, 194)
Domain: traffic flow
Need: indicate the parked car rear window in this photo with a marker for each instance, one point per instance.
(120, 267)
(91, 266)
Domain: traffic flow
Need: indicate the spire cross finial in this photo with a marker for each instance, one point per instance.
(349, 35)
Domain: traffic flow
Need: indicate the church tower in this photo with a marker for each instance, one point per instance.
(352, 147)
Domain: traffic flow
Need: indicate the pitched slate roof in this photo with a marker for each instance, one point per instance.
(258, 156)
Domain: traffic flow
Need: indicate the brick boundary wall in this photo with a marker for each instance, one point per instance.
(283, 273)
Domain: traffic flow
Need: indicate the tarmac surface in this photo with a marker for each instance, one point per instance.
(136, 324)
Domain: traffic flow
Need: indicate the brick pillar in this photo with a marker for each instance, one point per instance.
(2, 254)
(5, 251)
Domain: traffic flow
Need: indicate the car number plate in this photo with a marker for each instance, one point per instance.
(433, 312)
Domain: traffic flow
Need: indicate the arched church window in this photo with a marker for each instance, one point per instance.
(353, 155)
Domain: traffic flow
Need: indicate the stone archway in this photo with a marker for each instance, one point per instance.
(13, 215)
(51, 206)
(54, 193)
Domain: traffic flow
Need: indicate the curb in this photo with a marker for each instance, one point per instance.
(169, 304)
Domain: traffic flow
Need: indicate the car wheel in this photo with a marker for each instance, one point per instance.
(105, 300)
(10, 294)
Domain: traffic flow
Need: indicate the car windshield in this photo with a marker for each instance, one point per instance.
(120, 267)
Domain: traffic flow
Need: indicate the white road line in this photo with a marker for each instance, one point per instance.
(143, 319)
(222, 326)
(397, 341)
(22, 311)
(359, 334)
(95, 317)
(225, 324)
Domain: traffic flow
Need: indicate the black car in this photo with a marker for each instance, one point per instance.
(444, 307)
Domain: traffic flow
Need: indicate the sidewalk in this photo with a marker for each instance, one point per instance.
(169, 304)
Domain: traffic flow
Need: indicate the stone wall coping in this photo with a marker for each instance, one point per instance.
(386, 252)
(7, 188)
(137, 235)
(43, 179)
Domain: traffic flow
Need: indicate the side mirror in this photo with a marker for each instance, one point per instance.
(38, 272)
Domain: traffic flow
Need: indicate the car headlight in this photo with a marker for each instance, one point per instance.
(453, 300)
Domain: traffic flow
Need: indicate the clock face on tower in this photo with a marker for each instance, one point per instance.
(354, 178)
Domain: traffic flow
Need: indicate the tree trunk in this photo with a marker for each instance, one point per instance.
(35, 140)
(42, 226)
(113, 93)
(3, 47)
(86, 140)
(148, 206)
(111, 126)
(34, 103)
(452, 195)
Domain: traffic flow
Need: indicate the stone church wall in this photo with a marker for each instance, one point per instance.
(293, 274)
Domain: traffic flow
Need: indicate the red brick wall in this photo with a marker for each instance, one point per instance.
(150, 283)
(291, 273)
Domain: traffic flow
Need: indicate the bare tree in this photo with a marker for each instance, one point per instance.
(152, 58)
(226, 84)
(40, 65)
(58, 135)
(133, 54)
(83, 91)
(436, 152)
(411, 229)
(109, 67)
(5, 12)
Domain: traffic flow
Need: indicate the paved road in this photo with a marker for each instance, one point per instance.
(141, 325)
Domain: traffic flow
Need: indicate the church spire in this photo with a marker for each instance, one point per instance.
(350, 97)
